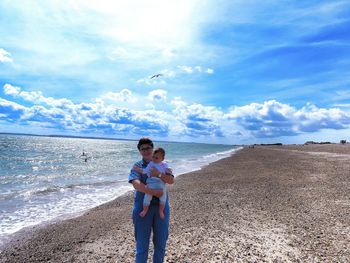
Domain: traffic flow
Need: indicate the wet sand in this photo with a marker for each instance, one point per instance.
(267, 204)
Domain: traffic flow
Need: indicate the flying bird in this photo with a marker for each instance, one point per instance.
(156, 76)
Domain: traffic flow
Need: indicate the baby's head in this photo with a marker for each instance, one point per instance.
(158, 155)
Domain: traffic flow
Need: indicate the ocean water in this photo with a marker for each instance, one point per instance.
(49, 178)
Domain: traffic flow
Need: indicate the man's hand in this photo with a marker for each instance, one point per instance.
(168, 171)
(138, 169)
(143, 188)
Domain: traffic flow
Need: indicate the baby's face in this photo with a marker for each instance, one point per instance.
(157, 158)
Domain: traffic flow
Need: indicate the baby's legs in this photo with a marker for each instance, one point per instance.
(144, 211)
(146, 202)
(162, 200)
(156, 183)
(161, 210)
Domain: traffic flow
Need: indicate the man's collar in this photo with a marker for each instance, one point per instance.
(145, 161)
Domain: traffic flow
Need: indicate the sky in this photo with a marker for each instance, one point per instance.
(231, 71)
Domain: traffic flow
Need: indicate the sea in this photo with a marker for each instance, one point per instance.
(44, 179)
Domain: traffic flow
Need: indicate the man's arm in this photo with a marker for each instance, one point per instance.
(143, 188)
(138, 169)
(165, 177)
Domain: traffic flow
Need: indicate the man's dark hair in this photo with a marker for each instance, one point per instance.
(160, 150)
(144, 141)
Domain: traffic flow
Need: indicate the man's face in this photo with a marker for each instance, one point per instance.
(146, 151)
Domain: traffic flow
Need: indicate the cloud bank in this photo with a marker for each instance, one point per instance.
(168, 118)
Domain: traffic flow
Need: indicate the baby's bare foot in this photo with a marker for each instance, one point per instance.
(161, 214)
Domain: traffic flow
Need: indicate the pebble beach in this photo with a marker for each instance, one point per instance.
(262, 204)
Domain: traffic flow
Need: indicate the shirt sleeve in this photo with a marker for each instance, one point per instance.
(148, 167)
(166, 166)
(133, 174)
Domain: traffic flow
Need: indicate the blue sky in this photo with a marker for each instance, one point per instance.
(232, 71)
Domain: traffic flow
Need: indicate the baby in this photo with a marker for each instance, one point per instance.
(154, 182)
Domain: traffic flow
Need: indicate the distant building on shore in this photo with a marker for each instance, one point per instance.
(269, 144)
(312, 142)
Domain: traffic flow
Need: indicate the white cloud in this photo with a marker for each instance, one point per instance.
(210, 71)
(11, 90)
(11, 104)
(196, 119)
(199, 69)
(157, 95)
(342, 105)
(273, 119)
(178, 102)
(5, 56)
(168, 73)
(260, 110)
(34, 96)
(186, 69)
(125, 95)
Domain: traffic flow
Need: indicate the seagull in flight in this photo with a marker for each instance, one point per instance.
(156, 76)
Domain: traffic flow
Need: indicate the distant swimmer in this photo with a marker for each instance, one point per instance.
(156, 76)
(85, 156)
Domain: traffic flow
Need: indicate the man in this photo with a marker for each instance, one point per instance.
(152, 220)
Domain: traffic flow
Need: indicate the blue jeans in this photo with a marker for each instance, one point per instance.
(143, 227)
